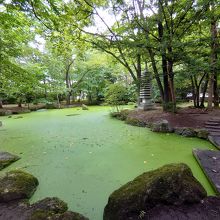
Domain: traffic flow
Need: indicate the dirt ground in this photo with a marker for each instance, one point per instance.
(185, 117)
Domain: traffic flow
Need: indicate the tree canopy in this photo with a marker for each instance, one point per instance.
(76, 49)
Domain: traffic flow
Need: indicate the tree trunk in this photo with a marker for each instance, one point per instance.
(193, 91)
(166, 84)
(138, 70)
(204, 91)
(58, 101)
(68, 83)
(213, 88)
(1, 104)
(156, 74)
(19, 104)
(171, 80)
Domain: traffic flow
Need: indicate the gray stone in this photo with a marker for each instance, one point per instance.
(17, 185)
(172, 184)
(6, 159)
(84, 107)
(161, 126)
(186, 132)
(202, 133)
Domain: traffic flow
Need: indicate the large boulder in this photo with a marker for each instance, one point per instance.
(202, 133)
(6, 159)
(161, 126)
(17, 185)
(186, 132)
(135, 122)
(172, 184)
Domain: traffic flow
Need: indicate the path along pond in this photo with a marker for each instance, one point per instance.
(84, 157)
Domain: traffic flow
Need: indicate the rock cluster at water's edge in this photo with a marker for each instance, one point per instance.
(172, 187)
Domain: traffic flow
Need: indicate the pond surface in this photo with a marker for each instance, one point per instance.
(83, 157)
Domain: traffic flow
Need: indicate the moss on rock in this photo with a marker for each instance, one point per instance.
(53, 209)
(171, 184)
(135, 122)
(122, 115)
(69, 216)
(41, 215)
(17, 185)
(53, 204)
(202, 133)
(161, 126)
(185, 131)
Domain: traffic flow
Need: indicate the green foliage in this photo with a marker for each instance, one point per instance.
(141, 34)
(122, 115)
(116, 95)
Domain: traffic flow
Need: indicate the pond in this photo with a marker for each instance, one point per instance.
(83, 157)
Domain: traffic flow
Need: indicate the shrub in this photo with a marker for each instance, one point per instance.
(116, 95)
(122, 115)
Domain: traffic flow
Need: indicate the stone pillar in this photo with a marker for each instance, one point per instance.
(145, 92)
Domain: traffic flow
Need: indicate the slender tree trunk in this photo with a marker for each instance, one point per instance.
(58, 101)
(20, 104)
(138, 70)
(156, 74)
(166, 85)
(204, 91)
(68, 83)
(1, 104)
(213, 88)
(193, 91)
(171, 79)
(45, 89)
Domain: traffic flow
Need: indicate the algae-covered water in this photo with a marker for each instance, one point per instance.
(84, 157)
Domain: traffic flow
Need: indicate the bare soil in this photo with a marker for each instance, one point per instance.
(185, 117)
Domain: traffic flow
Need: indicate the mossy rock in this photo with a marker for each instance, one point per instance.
(84, 107)
(186, 132)
(202, 133)
(53, 209)
(162, 126)
(135, 122)
(41, 215)
(6, 159)
(172, 184)
(122, 115)
(53, 204)
(69, 216)
(17, 184)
